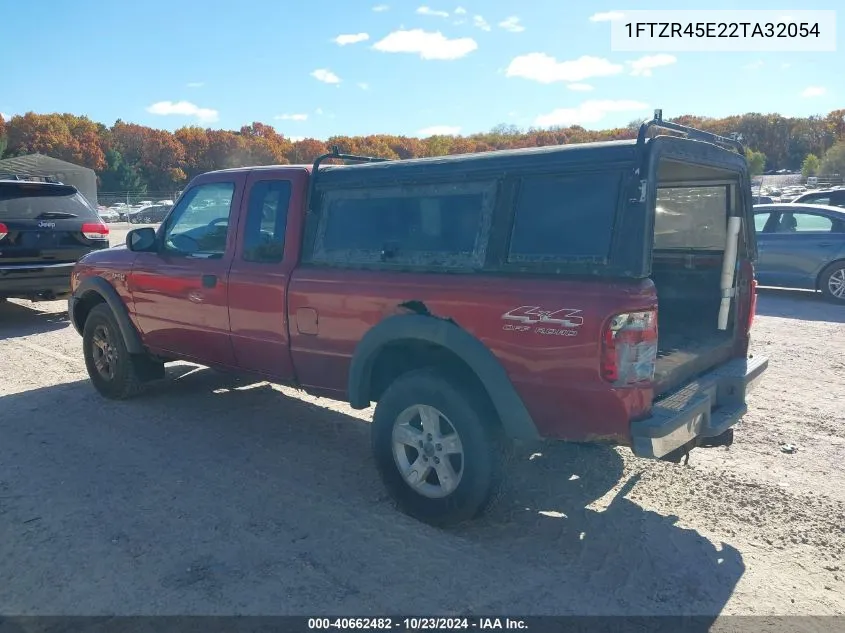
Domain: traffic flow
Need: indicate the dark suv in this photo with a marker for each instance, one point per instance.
(45, 227)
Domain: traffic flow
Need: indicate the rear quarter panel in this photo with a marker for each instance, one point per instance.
(554, 367)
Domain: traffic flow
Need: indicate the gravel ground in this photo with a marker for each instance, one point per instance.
(213, 496)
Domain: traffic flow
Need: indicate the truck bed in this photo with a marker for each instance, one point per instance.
(684, 353)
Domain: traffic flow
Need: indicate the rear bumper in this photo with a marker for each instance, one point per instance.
(32, 280)
(706, 407)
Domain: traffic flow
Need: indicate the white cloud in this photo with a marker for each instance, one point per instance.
(580, 87)
(460, 11)
(424, 10)
(480, 22)
(318, 111)
(351, 38)
(426, 44)
(440, 130)
(4, 116)
(183, 108)
(195, 84)
(295, 139)
(588, 112)
(363, 85)
(814, 91)
(546, 69)
(380, 7)
(512, 24)
(786, 65)
(755, 65)
(291, 117)
(326, 76)
(643, 66)
(607, 16)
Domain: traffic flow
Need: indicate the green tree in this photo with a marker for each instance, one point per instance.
(120, 176)
(833, 161)
(810, 166)
(756, 161)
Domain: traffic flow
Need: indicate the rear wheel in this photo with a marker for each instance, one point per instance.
(115, 373)
(832, 282)
(437, 448)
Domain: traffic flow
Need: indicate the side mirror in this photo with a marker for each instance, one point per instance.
(141, 240)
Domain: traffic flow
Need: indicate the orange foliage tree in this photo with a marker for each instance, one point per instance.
(165, 160)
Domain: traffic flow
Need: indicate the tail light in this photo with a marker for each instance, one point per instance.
(4, 230)
(752, 305)
(629, 350)
(95, 231)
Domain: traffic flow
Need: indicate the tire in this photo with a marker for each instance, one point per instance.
(479, 469)
(121, 377)
(832, 282)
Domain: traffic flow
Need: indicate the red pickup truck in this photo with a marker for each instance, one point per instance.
(478, 299)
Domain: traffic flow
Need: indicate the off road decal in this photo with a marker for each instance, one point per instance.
(560, 322)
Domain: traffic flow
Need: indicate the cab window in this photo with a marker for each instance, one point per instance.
(199, 225)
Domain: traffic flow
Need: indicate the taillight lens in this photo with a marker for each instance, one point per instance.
(4, 230)
(629, 348)
(95, 231)
(752, 306)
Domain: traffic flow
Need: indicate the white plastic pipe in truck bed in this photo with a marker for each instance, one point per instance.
(728, 268)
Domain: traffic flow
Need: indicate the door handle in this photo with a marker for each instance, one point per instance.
(209, 281)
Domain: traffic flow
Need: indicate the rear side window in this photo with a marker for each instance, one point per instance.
(26, 201)
(691, 218)
(266, 220)
(803, 223)
(760, 220)
(424, 225)
(560, 218)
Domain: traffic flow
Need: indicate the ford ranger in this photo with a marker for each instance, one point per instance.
(601, 292)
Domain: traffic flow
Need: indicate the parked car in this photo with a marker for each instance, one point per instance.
(802, 246)
(108, 215)
(763, 200)
(148, 215)
(478, 299)
(830, 197)
(44, 228)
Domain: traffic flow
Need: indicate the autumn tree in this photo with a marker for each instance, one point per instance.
(264, 145)
(157, 154)
(63, 136)
(810, 166)
(306, 151)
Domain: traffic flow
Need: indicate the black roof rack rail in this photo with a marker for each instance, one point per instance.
(335, 153)
(689, 132)
(29, 178)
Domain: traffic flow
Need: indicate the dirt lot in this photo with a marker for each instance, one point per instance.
(213, 496)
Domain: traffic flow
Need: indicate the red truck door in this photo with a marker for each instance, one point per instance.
(266, 253)
(181, 292)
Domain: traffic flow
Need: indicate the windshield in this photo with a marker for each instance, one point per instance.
(27, 202)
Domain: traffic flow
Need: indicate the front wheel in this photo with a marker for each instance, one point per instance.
(112, 369)
(833, 282)
(437, 448)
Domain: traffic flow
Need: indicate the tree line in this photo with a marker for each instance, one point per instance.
(130, 157)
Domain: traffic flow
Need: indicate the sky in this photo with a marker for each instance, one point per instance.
(352, 67)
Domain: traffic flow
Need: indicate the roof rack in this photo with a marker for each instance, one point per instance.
(335, 153)
(30, 178)
(690, 132)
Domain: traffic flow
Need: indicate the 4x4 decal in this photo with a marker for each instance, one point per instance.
(560, 322)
